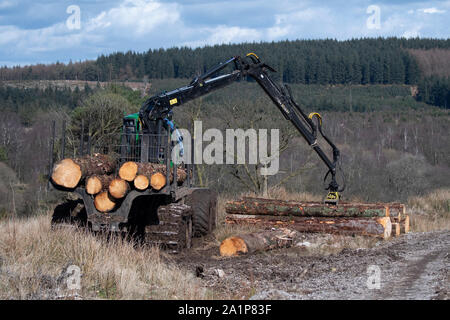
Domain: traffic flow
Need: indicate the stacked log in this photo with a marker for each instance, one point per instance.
(128, 171)
(379, 227)
(381, 220)
(146, 175)
(98, 183)
(118, 188)
(395, 229)
(404, 224)
(260, 206)
(96, 172)
(103, 202)
(68, 173)
(158, 181)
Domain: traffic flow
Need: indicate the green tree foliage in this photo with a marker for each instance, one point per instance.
(102, 115)
(435, 91)
(27, 102)
(356, 61)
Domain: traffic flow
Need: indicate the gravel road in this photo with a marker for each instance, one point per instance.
(412, 266)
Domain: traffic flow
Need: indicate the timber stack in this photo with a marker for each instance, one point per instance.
(381, 220)
(97, 174)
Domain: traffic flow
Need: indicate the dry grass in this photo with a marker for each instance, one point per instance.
(33, 260)
(430, 212)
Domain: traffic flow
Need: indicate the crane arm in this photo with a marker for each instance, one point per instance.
(158, 107)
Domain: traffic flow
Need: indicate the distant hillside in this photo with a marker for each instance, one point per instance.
(72, 84)
(358, 61)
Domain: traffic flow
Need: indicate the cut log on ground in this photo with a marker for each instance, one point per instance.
(128, 171)
(379, 227)
(118, 188)
(257, 206)
(258, 241)
(68, 173)
(98, 183)
(103, 202)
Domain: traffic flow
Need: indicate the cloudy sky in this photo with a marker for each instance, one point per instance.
(62, 30)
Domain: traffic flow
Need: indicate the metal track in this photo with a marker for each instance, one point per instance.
(174, 231)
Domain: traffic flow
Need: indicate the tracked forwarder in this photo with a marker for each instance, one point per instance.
(172, 215)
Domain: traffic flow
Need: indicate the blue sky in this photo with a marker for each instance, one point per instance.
(37, 31)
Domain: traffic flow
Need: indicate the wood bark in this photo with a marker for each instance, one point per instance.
(69, 172)
(258, 206)
(258, 241)
(380, 227)
(98, 183)
(103, 202)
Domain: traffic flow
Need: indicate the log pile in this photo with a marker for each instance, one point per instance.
(381, 220)
(96, 174)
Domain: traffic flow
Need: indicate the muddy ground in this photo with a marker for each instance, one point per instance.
(412, 266)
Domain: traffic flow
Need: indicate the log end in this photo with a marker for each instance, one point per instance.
(66, 173)
(103, 202)
(157, 181)
(93, 185)
(128, 171)
(386, 223)
(232, 247)
(141, 182)
(118, 188)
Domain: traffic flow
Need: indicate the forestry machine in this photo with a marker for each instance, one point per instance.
(171, 216)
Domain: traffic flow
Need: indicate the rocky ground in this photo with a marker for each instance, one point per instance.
(412, 266)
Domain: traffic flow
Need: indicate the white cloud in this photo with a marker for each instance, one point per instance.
(223, 35)
(132, 19)
(142, 24)
(431, 10)
(411, 33)
(6, 4)
(277, 32)
(136, 16)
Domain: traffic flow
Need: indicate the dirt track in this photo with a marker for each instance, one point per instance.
(413, 266)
